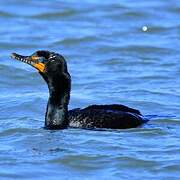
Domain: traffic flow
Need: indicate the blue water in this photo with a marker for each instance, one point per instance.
(111, 60)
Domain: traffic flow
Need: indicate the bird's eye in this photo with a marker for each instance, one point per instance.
(41, 59)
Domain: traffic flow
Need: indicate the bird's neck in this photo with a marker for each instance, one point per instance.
(57, 107)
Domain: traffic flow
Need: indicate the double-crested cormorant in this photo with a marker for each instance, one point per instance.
(53, 69)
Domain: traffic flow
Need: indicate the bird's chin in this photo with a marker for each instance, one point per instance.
(31, 60)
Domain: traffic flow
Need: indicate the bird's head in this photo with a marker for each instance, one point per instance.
(52, 66)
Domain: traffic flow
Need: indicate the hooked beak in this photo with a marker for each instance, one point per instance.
(34, 61)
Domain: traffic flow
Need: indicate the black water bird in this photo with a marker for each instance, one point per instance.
(53, 68)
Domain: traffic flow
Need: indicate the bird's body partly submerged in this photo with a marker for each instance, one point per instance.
(113, 116)
(53, 69)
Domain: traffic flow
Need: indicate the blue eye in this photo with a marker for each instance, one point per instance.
(41, 59)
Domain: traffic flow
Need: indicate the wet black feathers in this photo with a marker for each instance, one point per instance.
(105, 116)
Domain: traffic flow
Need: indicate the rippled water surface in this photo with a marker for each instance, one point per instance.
(111, 60)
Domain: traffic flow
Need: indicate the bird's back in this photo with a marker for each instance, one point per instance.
(106, 116)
